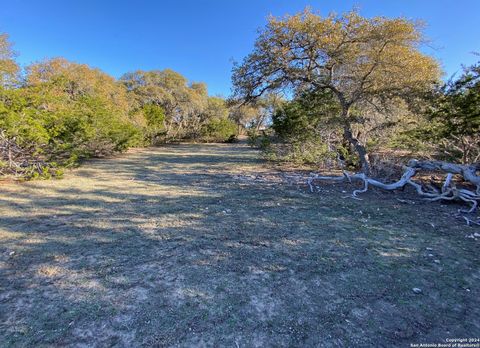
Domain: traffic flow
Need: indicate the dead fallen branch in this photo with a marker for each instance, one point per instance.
(448, 192)
(19, 161)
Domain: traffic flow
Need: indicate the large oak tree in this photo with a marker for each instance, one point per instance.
(365, 62)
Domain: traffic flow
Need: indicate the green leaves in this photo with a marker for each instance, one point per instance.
(367, 64)
(455, 118)
(449, 127)
(218, 129)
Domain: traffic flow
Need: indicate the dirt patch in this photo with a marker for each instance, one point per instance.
(205, 245)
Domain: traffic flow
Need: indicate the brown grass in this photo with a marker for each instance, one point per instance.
(173, 247)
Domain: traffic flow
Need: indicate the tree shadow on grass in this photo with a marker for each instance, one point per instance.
(153, 249)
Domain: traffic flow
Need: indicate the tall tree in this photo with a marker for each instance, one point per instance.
(166, 88)
(362, 61)
(8, 67)
(70, 81)
(242, 114)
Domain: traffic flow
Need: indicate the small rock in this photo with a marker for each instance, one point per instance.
(11, 253)
(228, 210)
(430, 255)
(417, 290)
(476, 234)
(436, 261)
(429, 249)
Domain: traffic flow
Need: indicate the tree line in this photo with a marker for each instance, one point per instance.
(54, 113)
(336, 90)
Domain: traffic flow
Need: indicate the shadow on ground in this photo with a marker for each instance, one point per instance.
(166, 247)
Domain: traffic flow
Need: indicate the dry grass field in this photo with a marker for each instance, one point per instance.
(169, 246)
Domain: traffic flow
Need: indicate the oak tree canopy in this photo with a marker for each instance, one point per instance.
(364, 62)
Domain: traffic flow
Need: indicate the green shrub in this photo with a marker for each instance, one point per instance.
(218, 130)
(154, 130)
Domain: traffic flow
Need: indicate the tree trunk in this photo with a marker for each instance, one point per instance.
(357, 145)
(10, 159)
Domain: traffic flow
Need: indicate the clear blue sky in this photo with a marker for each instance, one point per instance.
(200, 38)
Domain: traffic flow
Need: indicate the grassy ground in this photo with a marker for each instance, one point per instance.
(174, 247)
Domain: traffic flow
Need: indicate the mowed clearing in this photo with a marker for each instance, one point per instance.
(175, 246)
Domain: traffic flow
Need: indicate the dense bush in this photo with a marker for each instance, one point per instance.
(308, 131)
(154, 130)
(452, 125)
(219, 130)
